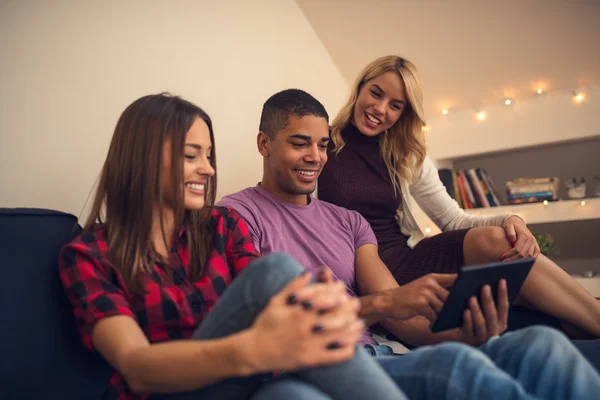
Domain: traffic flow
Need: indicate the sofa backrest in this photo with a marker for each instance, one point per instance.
(41, 355)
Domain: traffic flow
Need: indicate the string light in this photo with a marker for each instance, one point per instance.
(583, 202)
(424, 128)
(579, 96)
(427, 230)
(545, 202)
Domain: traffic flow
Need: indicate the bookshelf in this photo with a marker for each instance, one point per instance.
(574, 227)
(554, 211)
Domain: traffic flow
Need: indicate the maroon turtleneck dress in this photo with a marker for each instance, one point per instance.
(357, 178)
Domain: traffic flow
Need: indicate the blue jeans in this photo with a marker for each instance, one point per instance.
(358, 378)
(532, 363)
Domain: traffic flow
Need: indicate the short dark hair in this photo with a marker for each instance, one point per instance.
(278, 109)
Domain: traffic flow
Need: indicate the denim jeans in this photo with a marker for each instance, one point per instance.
(379, 350)
(532, 363)
(358, 378)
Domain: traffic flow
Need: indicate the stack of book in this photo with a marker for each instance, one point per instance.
(471, 188)
(532, 190)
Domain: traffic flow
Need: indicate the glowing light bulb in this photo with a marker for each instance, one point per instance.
(445, 111)
(424, 128)
(545, 202)
(583, 202)
(481, 115)
(507, 102)
(539, 91)
(579, 97)
(427, 230)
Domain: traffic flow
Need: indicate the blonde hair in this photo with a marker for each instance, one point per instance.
(403, 145)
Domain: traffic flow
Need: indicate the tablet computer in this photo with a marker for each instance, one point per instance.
(469, 282)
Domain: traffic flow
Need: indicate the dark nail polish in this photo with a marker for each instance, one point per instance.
(317, 329)
(334, 345)
(291, 299)
(307, 305)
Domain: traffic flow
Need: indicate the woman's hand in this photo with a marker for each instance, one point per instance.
(306, 325)
(521, 239)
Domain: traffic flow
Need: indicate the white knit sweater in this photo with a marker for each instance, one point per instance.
(431, 195)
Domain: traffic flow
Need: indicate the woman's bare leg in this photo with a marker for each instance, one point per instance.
(548, 288)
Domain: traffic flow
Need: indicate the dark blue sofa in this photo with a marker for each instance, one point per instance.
(41, 353)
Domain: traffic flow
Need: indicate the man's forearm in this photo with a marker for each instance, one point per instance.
(373, 308)
(416, 332)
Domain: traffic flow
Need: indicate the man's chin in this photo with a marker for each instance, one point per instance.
(305, 189)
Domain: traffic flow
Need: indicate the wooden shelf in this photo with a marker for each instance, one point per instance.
(554, 211)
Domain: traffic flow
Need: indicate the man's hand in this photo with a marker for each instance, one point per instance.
(479, 326)
(424, 296)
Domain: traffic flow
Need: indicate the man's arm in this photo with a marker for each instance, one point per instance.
(407, 311)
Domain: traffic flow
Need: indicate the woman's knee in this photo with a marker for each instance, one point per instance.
(267, 276)
(279, 264)
(486, 243)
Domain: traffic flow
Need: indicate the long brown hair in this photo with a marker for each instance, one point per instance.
(403, 145)
(130, 191)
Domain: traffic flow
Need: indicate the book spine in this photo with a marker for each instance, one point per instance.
(477, 190)
(468, 189)
(491, 185)
(513, 196)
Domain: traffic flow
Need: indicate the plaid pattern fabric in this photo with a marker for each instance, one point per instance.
(170, 309)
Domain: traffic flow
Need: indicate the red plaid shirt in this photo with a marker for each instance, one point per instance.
(169, 310)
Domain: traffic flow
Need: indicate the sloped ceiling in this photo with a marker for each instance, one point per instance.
(469, 53)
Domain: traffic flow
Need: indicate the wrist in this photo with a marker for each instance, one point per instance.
(383, 304)
(516, 217)
(247, 354)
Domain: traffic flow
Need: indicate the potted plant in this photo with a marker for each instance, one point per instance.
(546, 243)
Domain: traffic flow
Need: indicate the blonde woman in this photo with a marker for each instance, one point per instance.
(378, 157)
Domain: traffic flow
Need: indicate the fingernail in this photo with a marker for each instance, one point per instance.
(291, 299)
(317, 329)
(321, 276)
(334, 345)
(307, 305)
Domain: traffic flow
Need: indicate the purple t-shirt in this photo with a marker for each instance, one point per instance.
(318, 234)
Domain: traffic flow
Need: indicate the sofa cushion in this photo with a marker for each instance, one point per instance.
(42, 354)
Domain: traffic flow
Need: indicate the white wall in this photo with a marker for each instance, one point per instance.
(69, 68)
(541, 120)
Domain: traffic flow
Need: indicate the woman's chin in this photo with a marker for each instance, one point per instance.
(194, 205)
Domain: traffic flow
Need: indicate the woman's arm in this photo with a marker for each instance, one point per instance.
(292, 343)
(431, 195)
(173, 366)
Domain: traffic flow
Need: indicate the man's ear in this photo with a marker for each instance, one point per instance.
(262, 142)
